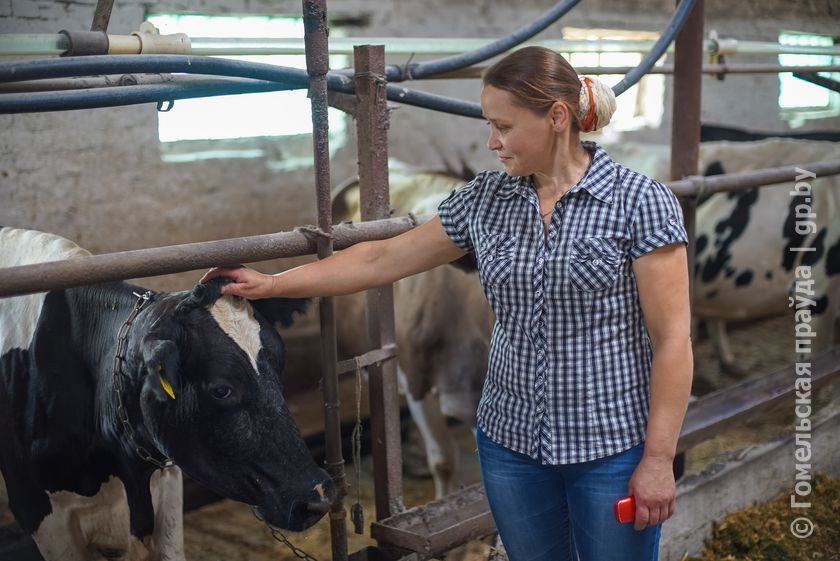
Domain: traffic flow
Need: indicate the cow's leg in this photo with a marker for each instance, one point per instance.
(441, 452)
(168, 498)
(720, 339)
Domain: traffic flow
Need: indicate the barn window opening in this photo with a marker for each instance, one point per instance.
(800, 100)
(245, 125)
(642, 105)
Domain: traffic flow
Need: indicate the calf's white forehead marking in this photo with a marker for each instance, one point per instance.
(236, 318)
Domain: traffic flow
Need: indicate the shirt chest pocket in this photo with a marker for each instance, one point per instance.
(594, 264)
(496, 254)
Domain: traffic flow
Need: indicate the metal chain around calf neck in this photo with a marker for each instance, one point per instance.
(119, 386)
(280, 537)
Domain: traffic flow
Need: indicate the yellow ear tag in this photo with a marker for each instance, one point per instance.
(166, 386)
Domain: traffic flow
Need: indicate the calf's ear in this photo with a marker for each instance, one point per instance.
(163, 367)
(280, 310)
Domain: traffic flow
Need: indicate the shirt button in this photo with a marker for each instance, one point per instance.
(551, 234)
(596, 261)
(539, 407)
(541, 324)
(672, 221)
(538, 292)
(540, 261)
(491, 257)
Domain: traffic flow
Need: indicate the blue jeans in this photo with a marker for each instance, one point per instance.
(562, 513)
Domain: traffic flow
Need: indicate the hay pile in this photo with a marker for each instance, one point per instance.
(762, 532)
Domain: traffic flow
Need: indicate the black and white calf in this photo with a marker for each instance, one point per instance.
(201, 385)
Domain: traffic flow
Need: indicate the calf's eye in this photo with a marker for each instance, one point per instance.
(221, 392)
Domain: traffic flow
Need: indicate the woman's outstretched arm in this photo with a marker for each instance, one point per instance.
(362, 266)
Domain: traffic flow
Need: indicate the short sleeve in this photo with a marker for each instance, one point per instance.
(455, 212)
(657, 221)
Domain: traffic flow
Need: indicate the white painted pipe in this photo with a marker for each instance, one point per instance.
(50, 44)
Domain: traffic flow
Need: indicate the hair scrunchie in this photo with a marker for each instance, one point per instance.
(596, 104)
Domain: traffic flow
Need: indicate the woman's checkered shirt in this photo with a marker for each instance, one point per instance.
(569, 371)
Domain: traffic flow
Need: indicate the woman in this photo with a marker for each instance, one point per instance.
(584, 263)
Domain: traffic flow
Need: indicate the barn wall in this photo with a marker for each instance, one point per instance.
(96, 176)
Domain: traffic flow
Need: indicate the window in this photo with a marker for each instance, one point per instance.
(229, 121)
(640, 106)
(800, 100)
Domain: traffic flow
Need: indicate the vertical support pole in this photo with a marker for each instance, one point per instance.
(102, 15)
(685, 121)
(685, 133)
(317, 65)
(372, 132)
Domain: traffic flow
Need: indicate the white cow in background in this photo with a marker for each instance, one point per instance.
(744, 263)
(747, 241)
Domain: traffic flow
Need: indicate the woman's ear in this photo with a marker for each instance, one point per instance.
(560, 116)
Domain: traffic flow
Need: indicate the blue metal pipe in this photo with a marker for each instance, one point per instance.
(463, 60)
(291, 78)
(67, 100)
(659, 48)
(156, 64)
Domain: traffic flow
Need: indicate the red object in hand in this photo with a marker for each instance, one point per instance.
(625, 510)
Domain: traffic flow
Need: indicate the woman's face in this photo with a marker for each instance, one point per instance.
(521, 138)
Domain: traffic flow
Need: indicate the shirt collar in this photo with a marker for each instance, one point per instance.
(598, 180)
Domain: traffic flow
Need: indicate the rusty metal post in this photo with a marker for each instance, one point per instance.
(685, 121)
(685, 134)
(372, 134)
(102, 15)
(317, 65)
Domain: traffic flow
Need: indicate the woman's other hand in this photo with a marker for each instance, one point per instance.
(246, 282)
(654, 489)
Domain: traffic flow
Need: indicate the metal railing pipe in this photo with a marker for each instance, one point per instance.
(40, 277)
(715, 69)
(701, 186)
(138, 263)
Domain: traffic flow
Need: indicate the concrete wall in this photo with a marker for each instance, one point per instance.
(96, 176)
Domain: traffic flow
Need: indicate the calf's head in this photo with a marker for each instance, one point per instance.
(211, 399)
